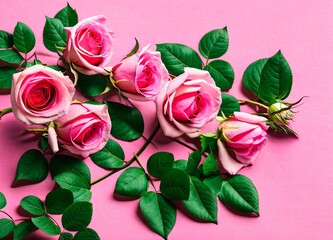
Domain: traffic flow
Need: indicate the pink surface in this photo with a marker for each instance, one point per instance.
(294, 177)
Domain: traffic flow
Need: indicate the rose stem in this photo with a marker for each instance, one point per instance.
(3, 112)
(252, 102)
(7, 215)
(144, 146)
(150, 180)
(188, 146)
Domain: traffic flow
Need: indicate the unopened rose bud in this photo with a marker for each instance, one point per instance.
(280, 113)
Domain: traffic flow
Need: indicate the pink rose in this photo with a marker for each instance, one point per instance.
(85, 129)
(89, 45)
(244, 135)
(186, 103)
(40, 95)
(141, 76)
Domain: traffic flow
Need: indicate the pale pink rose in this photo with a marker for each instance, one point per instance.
(89, 45)
(85, 129)
(188, 102)
(244, 136)
(141, 76)
(40, 95)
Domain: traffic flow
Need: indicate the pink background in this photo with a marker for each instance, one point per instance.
(294, 177)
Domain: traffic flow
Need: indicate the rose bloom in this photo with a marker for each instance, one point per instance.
(188, 102)
(89, 45)
(244, 135)
(85, 129)
(40, 95)
(141, 76)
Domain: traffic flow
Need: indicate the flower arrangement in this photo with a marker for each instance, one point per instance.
(188, 93)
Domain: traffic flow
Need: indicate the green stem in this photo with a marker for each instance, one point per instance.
(188, 146)
(3, 112)
(127, 164)
(36, 129)
(252, 102)
(7, 215)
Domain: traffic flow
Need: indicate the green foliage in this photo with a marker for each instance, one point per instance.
(210, 166)
(180, 164)
(111, 156)
(214, 43)
(25, 173)
(3, 201)
(65, 236)
(54, 34)
(193, 161)
(77, 216)
(160, 163)
(68, 16)
(202, 202)
(10, 56)
(132, 182)
(239, 193)
(229, 105)
(33, 205)
(58, 200)
(24, 38)
(175, 185)
(86, 234)
(214, 183)
(46, 225)
(22, 229)
(127, 122)
(6, 227)
(159, 213)
(222, 73)
(6, 76)
(92, 85)
(6, 39)
(209, 143)
(134, 50)
(178, 56)
(251, 77)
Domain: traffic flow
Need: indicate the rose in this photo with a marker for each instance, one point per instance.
(85, 129)
(141, 76)
(187, 103)
(40, 95)
(89, 45)
(244, 135)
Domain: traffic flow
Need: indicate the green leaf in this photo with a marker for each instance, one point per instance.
(35, 174)
(175, 185)
(10, 56)
(214, 43)
(43, 143)
(202, 202)
(33, 205)
(222, 73)
(214, 183)
(193, 161)
(6, 39)
(24, 38)
(229, 105)
(178, 56)
(180, 164)
(127, 122)
(132, 182)
(251, 77)
(240, 193)
(111, 156)
(6, 227)
(160, 163)
(62, 163)
(276, 79)
(93, 85)
(77, 216)
(134, 50)
(54, 34)
(58, 200)
(86, 234)
(210, 166)
(66, 236)
(6, 76)
(159, 213)
(3, 201)
(46, 225)
(208, 142)
(68, 16)
(22, 229)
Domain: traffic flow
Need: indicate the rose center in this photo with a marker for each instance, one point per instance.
(146, 79)
(40, 96)
(90, 41)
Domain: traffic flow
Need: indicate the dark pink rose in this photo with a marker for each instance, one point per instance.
(188, 102)
(89, 45)
(244, 135)
(40, 95)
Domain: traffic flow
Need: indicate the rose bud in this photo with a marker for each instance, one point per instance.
(187, 103)
(89, 45)
(85, 129)
(280, 113)
(141, 76)
(242, 135)
(40, 95)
